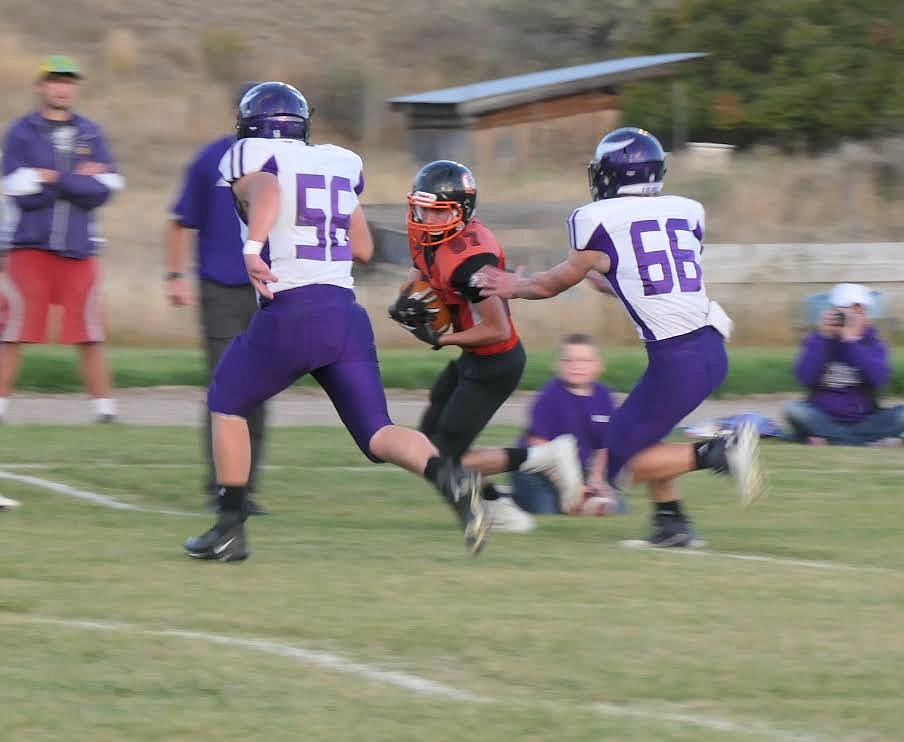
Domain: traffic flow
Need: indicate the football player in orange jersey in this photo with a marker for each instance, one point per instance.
(448, 245)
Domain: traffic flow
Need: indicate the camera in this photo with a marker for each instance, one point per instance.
(840, 318)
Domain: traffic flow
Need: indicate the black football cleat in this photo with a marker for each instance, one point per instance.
(254, 507)
(225, 542)
(670, 530)
(461, 488)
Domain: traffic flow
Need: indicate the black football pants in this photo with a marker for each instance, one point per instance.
(467, 394)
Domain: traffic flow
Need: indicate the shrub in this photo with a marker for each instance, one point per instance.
(222, 50)
(122, 50)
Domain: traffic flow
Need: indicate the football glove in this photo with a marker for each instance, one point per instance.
(427, 334)
(411, 312)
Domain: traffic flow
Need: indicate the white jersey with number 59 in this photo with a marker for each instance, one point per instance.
(319, 186)
(655, 244)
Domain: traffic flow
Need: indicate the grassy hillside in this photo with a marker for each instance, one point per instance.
(159, 77)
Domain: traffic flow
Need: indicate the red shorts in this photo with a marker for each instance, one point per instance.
(34, 280)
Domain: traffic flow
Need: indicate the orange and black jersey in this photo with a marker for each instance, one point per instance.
(449, 267)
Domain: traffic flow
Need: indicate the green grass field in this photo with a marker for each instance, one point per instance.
(752, 371)
(360, 617)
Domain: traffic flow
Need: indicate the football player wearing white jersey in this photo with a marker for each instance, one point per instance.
(304, 227)
(649, 249)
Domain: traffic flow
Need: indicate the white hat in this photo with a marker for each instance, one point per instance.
(846, 294)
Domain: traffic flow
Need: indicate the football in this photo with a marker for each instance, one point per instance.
(594, 505)
(422, 290)
(598, 505)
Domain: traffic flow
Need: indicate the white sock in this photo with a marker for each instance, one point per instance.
(4, 406)
(104, 406)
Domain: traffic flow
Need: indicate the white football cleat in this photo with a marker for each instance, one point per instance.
(742, 453)
(7, 503)
(559, 459)
(507, 517)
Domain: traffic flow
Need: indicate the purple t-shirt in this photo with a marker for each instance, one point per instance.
(556, 411)
(206, 204)
(843, 377)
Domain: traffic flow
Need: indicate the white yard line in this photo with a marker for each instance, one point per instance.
(93, 497)
(110, 502)
(317, 658)
(746, 728)
(834, 472)
(415, 683)
(785, 561)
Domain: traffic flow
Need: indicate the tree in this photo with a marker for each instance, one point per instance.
(799, 75)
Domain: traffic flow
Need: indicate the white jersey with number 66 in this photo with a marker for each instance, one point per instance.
(655, 246)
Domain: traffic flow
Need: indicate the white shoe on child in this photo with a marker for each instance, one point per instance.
(559, 459)
(507, 517)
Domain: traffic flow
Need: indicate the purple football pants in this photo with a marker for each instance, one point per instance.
(682, 371)
(319, 330)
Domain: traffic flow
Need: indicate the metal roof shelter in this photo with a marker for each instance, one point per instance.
(440, 121)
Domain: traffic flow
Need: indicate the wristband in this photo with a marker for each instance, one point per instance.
(173, 274)
(252, 247)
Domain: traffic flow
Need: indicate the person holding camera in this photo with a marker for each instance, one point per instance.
(842, 364)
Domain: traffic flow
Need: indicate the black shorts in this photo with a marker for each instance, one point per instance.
(467, 394)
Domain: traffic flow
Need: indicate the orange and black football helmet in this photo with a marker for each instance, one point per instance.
(442, 201)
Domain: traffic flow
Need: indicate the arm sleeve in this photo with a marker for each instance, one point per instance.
(585, 233)
(543, 418)
(359, 186)
(84, 191)
(575, 240)
(91, 191)
(188, 208)
(248, 156)
(20, 179)
(870, 357)
(461, 278)
(700, 229)
(814, 354)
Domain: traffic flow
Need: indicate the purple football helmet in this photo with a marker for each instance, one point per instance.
(273, 110)
(627, 162)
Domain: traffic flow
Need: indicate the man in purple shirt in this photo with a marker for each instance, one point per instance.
(842, 364)
(227, 300)
(573, 402)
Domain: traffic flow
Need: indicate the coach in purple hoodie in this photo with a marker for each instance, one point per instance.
(843, 364)
(57, 171)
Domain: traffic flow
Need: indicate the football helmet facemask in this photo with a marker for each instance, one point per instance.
(441, 203)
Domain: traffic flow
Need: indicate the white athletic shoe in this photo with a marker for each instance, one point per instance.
(558, 458)
(507, 517)
(7, 503)
(742, 453)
